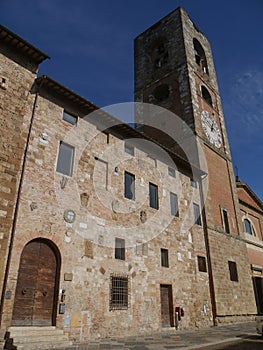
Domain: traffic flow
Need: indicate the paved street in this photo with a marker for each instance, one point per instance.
(228, 337)
(249, 343)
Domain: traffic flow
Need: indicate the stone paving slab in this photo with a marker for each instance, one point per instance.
(174, 339)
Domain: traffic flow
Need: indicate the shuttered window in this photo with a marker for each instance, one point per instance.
(153, 194)
(65, 159)
(129, 185)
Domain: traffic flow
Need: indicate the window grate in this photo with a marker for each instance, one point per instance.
(119, 292)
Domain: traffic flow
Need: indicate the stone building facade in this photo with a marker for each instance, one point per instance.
(111, 228)
(252, 217)
(18, 65)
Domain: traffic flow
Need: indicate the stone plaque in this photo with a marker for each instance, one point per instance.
(68, 276)
(89, 249)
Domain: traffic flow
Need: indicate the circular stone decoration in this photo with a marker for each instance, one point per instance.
(69, 215)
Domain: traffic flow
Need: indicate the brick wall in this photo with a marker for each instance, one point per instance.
(16, 104)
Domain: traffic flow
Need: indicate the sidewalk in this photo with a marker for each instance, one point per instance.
(179, 340)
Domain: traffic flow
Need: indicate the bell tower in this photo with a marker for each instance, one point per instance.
(174, 69)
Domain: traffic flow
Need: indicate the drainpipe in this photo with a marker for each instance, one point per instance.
(19, 190)
(209, 263)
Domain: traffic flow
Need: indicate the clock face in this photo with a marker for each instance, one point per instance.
(211, 129)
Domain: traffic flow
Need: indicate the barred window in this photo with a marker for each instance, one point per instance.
(119, 291)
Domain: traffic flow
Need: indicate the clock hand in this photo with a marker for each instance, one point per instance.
(212, 126)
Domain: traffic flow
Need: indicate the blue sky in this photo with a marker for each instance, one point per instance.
(91, 48)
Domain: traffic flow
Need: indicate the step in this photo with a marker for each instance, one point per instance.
(43, 346)
(42, 338)
(32, 331)
(36, 338)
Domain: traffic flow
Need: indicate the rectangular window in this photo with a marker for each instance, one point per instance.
(171, 172)
(102, 172)
(174, 204)
(69, 118)
(225, 220)
(119, 290)
(233, 271)
(120, 248)
(197, 218)
(142, 248)
(201, 264)
(65, 159)
(128, 149)
(129, 185)
(153, 194)
(164, 258)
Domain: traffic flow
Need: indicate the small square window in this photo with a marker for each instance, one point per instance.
(171, 172)
(120, 248)
(153, 195)
(193, 183)
(129, 185)
(128, 149)
(119, 292)
(197, 218)
(164, 258)
(65, 159)
(69, 118)
(233, 271)
(174, 204)
(201, 264)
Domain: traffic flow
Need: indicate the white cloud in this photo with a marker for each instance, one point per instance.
(247, 100)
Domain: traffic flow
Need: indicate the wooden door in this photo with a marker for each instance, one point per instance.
(36, 290)
(167, 306)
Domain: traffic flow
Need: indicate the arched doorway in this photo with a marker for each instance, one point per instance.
(37, 285)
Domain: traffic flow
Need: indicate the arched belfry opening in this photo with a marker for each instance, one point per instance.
(206, 95)
(200, 57)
